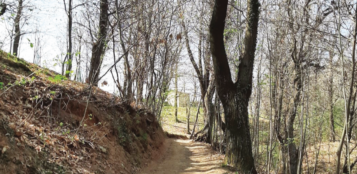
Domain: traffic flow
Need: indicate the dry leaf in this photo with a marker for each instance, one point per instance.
(76, 137)
(38, 148)
(18, 133)
(4, 149)
(48, 141)
(12, 126)
(104, 83)
(178, 37)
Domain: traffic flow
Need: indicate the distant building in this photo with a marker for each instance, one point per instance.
(182, 101)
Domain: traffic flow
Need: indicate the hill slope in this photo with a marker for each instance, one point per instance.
(51, 125)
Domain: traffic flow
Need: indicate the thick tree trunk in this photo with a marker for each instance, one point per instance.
(99, 45)
(15, 47)
(239, 146)
(235, 96)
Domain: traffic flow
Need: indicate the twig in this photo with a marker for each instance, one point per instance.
(15, 85)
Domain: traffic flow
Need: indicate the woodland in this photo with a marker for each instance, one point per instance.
(273, 81)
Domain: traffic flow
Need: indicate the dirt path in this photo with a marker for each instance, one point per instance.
(186, 157)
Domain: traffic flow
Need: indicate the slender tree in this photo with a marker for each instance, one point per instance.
(15, 47)
(98, 48)
(69, 55)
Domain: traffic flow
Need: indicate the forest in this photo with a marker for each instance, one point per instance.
(270, 84)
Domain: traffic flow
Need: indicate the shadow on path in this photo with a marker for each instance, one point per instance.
(186, 157)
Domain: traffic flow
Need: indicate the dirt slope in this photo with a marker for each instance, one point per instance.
(52, 125)
(186, 157)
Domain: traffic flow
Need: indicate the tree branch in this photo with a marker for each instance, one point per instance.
(219, 56)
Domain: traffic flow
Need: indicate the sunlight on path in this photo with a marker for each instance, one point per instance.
(186, 157)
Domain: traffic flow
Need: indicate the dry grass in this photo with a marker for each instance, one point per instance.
(326, 159)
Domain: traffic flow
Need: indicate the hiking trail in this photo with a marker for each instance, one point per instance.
(180, 156)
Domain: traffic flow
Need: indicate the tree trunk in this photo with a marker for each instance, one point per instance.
(210, 110)
(176, 91)
(235, 95)
(69, 49)
(292, 151)
(15, 47)
(330, 91)
(99, 45)
(3, 9)
(207, 131)
(202, 75)
(239, 146)
(257, 114)
(194, 125)
(78, 74)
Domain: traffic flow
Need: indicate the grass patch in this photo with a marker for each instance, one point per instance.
(170, 125)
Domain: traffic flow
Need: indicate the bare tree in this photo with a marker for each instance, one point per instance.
(98, 48)
(235, 95)
(68, 59)
(15, 47)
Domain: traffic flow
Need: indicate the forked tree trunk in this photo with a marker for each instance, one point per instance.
(235, 95)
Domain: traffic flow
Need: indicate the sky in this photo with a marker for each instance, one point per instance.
(49, 18)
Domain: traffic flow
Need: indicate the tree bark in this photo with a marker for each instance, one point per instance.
(99, 46)
(176, 92)
(210, 110)
(3, 9)
(15, 47)
(235, 96)
(292, 151)
(207, 131)
(69, 48)
(330, 91)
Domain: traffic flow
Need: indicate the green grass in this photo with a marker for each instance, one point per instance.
(168, 113)
(170, 125)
